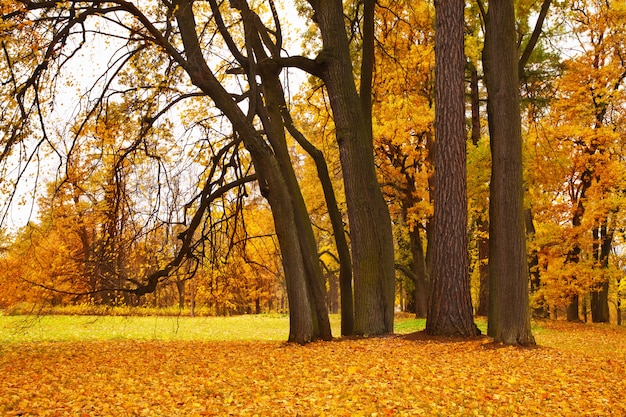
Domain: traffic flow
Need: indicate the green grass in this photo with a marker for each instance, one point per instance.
(54, 328)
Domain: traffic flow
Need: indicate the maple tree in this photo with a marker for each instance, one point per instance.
(578, 206)
(403, 120)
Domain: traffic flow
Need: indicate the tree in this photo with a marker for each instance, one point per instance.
(164, 30)
(509, 315)
(584, 173)
(370, 225)
(403, 113)
(450, 304)
(178, 62)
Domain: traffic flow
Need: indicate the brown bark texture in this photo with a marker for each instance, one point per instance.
(450, 304)
(370, 224)
(272, 182)
(509, 315)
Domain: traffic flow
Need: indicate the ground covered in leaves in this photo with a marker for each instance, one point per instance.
(577, 371)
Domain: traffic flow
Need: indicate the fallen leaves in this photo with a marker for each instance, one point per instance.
(369, 377)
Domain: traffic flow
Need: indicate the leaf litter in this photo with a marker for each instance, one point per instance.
(390, 376)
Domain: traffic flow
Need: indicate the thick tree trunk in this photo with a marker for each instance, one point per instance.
(573, 308)
(370, 223)
(600, 304)
(275, 129)
(450, 304)
(509, 315)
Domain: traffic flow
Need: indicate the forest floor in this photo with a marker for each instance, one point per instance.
(576, 370)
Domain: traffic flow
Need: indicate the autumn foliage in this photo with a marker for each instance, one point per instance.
(136, 165)
(578, 371)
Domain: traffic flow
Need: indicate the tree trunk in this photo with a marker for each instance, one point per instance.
(541, 308)
(336, 220)
(509, 315)
(600, 304)
(572, 308)
(370, 223)
(273, 98)
(273, 185)
(619, 303)
(180, 286)
(420, 270)
(482, 226)
(450, 304)
(600, 296)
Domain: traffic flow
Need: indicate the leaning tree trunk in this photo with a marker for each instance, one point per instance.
(450, 304)
(274, 102)
(368, 215)
(273, 185)
(336, 220)
(271, 109)
(509, 315)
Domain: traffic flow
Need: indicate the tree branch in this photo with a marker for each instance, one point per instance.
(534, 38)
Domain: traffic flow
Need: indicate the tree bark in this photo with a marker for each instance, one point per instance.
(275, 129)
(368, 215)
(600, 296)
(509, 315)
(450, 304)
(482, 226)
(272, 182)
(420, 270)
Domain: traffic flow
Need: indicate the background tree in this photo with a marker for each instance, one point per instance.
(585, 173)
(403, 102)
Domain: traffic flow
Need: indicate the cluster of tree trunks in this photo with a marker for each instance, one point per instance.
(367, 269)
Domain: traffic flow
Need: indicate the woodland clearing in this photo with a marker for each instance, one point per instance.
(577, 370)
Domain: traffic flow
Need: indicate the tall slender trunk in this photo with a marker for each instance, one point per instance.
(541, 309)
(573, 256)
(420, 269)
(482, 225)
(509, 315)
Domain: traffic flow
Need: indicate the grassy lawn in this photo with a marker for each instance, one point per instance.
(240, 366)
(56, 328)
(169, 328)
